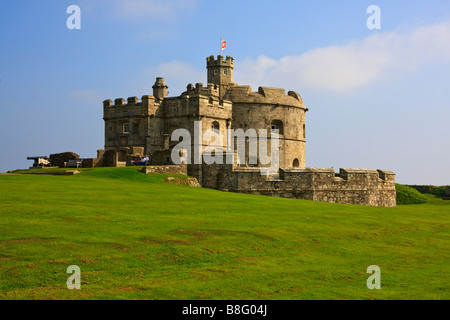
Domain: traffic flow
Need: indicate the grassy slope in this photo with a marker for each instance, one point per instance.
(137, 237)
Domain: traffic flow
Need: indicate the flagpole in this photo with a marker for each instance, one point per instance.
(221, 49)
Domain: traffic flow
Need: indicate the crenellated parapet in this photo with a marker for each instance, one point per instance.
(326, 177)
(264, 95)
(132, 107)
(211, 61)
(131, 101)
(210, 90)
(352, 186)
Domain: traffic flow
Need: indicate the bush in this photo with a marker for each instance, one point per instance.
(408, 195)
(437, 191)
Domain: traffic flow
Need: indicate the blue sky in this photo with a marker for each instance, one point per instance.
(377, 98)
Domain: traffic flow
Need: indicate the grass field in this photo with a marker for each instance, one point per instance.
(135, 236)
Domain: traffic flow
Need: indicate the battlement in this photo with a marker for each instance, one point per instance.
(355, 186)
(211, 61)
(146, 100)
(211, 90)
(347, 174)
(264, 95)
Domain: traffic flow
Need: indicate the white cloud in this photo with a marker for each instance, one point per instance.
(353, 65)
(359, 63)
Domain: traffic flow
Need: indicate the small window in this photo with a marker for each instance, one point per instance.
(215, 72)
(126, 127)
(225, 71)
(296, 163)
(277, 125)
(215, 126)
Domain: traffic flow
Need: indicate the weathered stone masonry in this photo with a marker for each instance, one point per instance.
(353, 186)
(134, 127)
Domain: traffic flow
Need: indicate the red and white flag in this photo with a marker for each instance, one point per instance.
(224, 44)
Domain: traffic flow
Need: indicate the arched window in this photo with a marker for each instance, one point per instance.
(277, 125)
(296, 163)
(215, 126)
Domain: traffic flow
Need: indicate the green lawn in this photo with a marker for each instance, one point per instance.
(135, 236)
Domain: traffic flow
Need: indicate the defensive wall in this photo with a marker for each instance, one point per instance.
(353, 186)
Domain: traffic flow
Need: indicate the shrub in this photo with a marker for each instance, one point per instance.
(437, 191)
(408, 195)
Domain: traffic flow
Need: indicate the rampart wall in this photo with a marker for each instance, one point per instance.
(353, 186)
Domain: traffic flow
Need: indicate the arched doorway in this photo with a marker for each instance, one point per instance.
(296, 163)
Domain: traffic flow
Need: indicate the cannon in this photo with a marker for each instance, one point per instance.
(40, 162)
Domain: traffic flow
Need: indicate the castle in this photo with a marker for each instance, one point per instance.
(134, 128)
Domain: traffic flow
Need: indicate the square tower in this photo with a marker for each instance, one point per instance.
(220, 72)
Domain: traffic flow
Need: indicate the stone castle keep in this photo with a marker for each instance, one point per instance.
(136, 127)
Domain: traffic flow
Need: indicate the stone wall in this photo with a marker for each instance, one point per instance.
(188, 181)
(172, 169)
(353, 186)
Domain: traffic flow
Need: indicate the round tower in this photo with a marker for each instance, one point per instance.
(220, 72)
(276, 112)
(160, 89)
